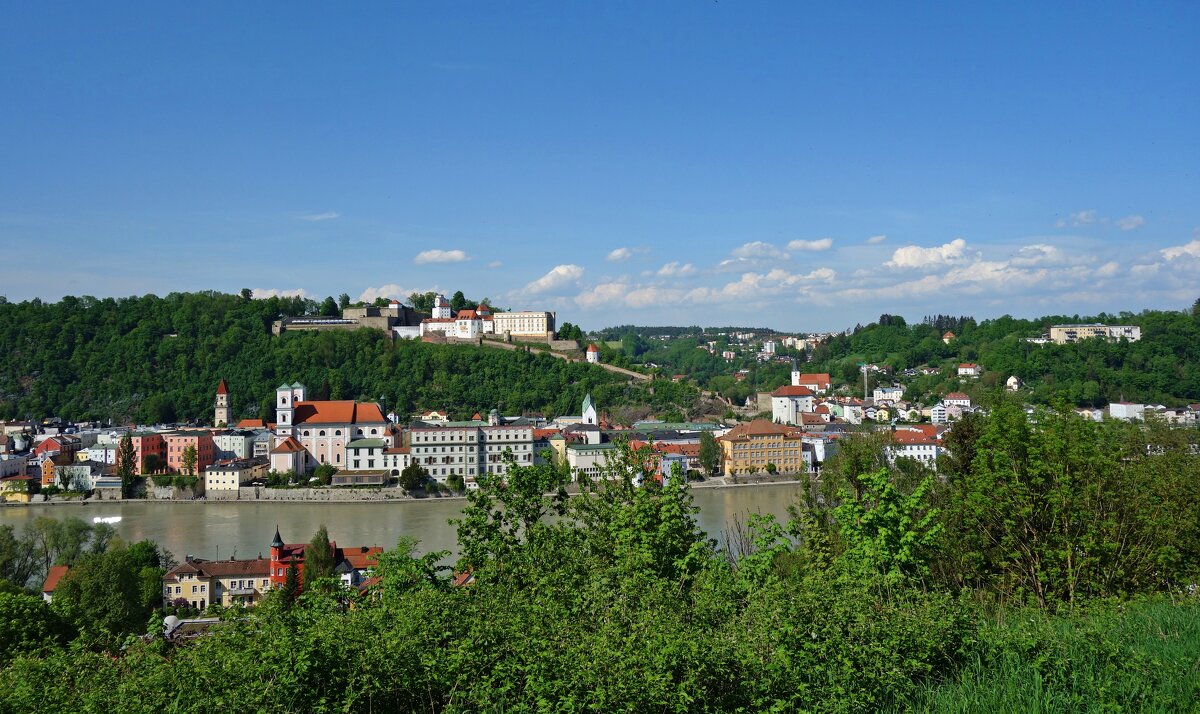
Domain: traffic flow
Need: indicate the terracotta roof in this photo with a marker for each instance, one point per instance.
(251, 424)
(790, 391)
(466, 315)
(359, 558)
(221, 388)
(338, 412)
(287, 446)
(821, 410)
(544, 433)
(54, 576)
(397, 450)
(957, 395)
(817, 378)
(593, 348)
(904, 436)
(966, 365)
(759, 427)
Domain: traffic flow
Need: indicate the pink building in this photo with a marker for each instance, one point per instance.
(178, 441)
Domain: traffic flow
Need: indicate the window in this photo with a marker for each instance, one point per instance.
(193, 588)
(321, 433)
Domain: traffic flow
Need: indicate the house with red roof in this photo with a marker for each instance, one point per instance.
(351, 565)
(818, 382)
(969, 369)
(53, 578)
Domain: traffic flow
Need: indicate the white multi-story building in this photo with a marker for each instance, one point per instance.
(1066, 334)
(470, 449)
(234, 444)
(524, 324)
(888, 394)
(1127, 411)
(223, 479)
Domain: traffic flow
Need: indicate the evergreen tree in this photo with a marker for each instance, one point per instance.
(291, 585)
(126, 465)
(318, 557)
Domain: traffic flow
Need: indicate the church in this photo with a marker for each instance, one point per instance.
(311, 433)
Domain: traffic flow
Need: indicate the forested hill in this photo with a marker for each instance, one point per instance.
(1163, 367)
(158, 360)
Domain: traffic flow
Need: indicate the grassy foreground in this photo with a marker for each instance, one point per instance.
(1142, 656)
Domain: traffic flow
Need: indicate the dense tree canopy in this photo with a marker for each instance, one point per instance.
(158, 360)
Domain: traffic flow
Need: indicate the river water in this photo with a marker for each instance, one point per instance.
(244, 529)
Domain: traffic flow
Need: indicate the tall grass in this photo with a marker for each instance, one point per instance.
(1142, 656)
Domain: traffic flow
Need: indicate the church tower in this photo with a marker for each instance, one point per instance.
(222, 413)
(589, 410)
(795, 374)
(283, 410)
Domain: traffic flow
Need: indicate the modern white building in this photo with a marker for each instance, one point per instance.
(1066, 334)
(1127, 411)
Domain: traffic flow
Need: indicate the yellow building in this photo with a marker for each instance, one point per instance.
(748, 448)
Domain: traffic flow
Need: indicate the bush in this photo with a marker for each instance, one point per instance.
(163, 480)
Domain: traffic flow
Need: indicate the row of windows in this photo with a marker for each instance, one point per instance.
(338, 432)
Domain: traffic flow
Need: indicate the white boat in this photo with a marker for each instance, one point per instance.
(106, 519)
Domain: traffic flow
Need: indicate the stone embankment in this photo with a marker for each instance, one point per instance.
(262, 493)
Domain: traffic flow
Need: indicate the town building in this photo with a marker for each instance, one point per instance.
(820, 383)
(1127, 411)
(789, 402)
(748, 448)
(470, 449)
(589, 460)
(593, 354)
(350, 565)
(968, 369)
(53, 577)
(178, 443)
(893, 393)
(956, 399)
(198, 582)
(921, 444)
(223, 478)
(394, 319)
(1066, 334)
(150, 453)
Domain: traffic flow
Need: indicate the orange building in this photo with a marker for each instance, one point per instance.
(179, 441)
(150, 450)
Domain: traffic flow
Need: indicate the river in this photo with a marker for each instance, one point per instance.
(244, 529)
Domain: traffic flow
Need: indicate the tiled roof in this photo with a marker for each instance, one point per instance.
(957, 395)
(221, 388)
(338, 412)
(816, 378)
(759, 427)
(287, 446)
(54, 576)
(397, 450)
(251, 424)
(359, 558)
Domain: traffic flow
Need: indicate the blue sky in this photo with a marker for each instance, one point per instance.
(798, 167)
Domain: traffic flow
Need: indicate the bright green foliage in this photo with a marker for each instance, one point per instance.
(324, 473)
(28, 625)
(710, 453)
(413, 477)
(105, 595)
(886, 533)
(188, 460)
(318, 557)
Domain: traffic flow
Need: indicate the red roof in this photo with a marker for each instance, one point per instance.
(539, 434)
(593, 348)
(54, 576)
(466, 315)
(759, 427)
(957, 395)
(359, 558)
(906, 436)
(792, 391)
(968, 365)
(338, 412)
(816, 378)
(397, 450)
(287, 446)
(251, 424)
(221, 388)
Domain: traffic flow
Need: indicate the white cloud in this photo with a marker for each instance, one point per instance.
(1039, 254)
(1077, 219)
(876, 240)
(758, 249)
(495, 264)
(559, 276)
(391, 290)
(760, 285)
(314, 217)
(619, 254)
(1129, 223)
(811, 245)
(675, 270)
(261, 293)
(440, 256)
(1107, 270)
(912, 256)
(1191, 249)
(602, 294)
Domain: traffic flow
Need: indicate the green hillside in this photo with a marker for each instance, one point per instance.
(158, 359)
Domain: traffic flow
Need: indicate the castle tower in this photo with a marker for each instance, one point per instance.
(222, 413)
(441, 308)
(593, 354)
(795, 374)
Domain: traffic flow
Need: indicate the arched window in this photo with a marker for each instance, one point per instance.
(337, 432)
(307, 432)
(338, 458)
(321, 433)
